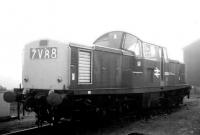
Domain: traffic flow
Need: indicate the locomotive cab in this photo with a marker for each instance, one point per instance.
(141, 63)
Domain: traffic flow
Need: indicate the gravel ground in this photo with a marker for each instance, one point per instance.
(15, 124)
(182, 121)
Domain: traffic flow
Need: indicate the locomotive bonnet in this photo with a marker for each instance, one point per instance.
(120, 72)
(46, 65)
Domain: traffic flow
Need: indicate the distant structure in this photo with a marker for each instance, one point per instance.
(4, 107)
(192, 63)
(2, 88)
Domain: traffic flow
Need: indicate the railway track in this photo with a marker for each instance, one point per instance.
(32, 131)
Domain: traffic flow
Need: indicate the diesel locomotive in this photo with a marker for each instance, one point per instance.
(119, 72)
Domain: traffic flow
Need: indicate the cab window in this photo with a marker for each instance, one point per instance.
(133, 44)
(151, 51)
(165, 54)
(111, 39)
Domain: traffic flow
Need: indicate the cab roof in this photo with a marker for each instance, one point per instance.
(118, 40)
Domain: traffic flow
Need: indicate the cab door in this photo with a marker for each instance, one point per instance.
(132, 66)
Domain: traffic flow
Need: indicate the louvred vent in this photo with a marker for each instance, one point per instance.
(84, 67)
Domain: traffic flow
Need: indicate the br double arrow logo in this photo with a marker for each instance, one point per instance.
(156, 72)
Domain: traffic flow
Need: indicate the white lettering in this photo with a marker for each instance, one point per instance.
(53, 53)
(33, 53)
(40, 52)
(46, 54)
(43, 53)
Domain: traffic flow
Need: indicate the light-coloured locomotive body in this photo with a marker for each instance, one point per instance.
(46, 65)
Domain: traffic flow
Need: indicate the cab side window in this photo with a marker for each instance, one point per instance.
(151, 51)
(165, 54)
(112, 40)
(133, 44)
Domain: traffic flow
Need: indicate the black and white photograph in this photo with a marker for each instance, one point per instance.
(99, 67)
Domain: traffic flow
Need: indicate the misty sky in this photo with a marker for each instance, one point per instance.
(170, 23)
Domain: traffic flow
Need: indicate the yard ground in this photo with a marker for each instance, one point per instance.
(182, 121)
(15, 124)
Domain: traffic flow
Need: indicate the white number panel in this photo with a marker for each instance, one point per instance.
(43, 53)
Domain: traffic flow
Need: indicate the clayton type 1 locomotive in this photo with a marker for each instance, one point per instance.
(119, 72)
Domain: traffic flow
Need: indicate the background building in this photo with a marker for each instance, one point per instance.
(192, 63)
